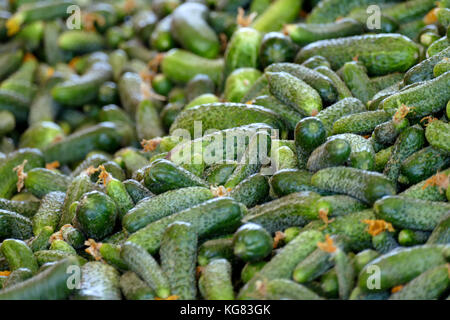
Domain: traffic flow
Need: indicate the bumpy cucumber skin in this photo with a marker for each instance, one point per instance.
(364, 185)
(339, 205)
(50, 284)
(239, 82)
(441, 234)
(283, 263)
(334, 152)
(18, 255)
(49, 213)
(401, 265)
(40, 181)
(295, 209)
(99, 281)
(141, 262)
(342, 90)
(34, 159)
(345, 272)
(316, 264)
(380, 54)
(344, 107)
(357, 80)
(288, 181)
(252, 242)
(438, 135)
(13, 225)
(216, 216)
(224, 116)
(362, 155)
(163, 175)
(155, 208)
(424, 70)
(360, 123)
(429, 285)
(276, 47)
(221, 248)
(27, 208)
(251, 191)
(281, 289)
(178, 259)
(426, 97)
(133, 288)
(411, 213)
(215, 281)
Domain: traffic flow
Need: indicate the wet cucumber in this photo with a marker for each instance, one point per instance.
(283, 263)
(380, 54)
(216, 216)
(400, 266)
(344, 107)
(13, 225)
(99, 281)
(49, 284)
(306, 33)
(315, 79)
(221, 116)
(155, 208)
(144, 265)
(133, 288)
(163, 175)
(49, 213)
(364, 185)
(295, 209)
(429, 285)
(33, 158)
(190, 19)
(26, 208)
(180, 66)
(178, 259)
(215, 281)
(411, 213)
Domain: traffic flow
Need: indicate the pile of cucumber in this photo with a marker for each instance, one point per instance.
(100, 198)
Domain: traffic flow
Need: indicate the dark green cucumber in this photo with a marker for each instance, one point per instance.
(116, 190)
(355, 77)
(250, 269)
(342, 108)
(25, 208)
(99, 281)
(259, 88)
(409, 10)
(221, 248)
(284, 289)
(361, 184)
(190, 19)
(283, 263)
(437, 46)
(360, 123)
(218, 174)
(41, 181)
(441, 234)
(163, 205)
(288, 181)
(49, 213)
(424, 70)
(425, 98)
(198, 85)
(50, 284)
(33, 158)
(321, 83)
(96, 214)
(342, 90)
(384, 242)
(316, 62)
(309, 134)
(221, 116)
(295, 209)
(409, 141)
(72, 236)
(339, 205)
(103, 136)
(399, 267)
(410, 213)
(251, 242)
(345, 272)
(178, 259)
(144, 265)
(380, 54)
(386, 133)
(362, 155)
(215, 281)
(332, 153)
(424, 191)
(276, 47)
(216, 216)
(422, 164)
(306, 33)
(14, 225)
(251, 191)
(133, 288)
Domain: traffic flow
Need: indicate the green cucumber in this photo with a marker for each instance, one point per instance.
(409, 238)
(259, 88)
(345, 272)
(116, 190)
(342, 90)
(399, 267)
(306, 33)
(309, 134)
(178, 259)
(144, 265)
(40, 135)
(362, 155)
(409, 10)
(50, 284)
(72, 236)
(41, 181)
(252, 243)
(339, 205)
(424, 191)
(437, 46)
(61, 245)
(384, 242)
(155, 208)
(287, 181)
(279, 13)
(276, 47)
(355, 77)
(161, 38)
(133, 288)
(190, 19)
(438, 134)
(96, 214)
(13, 225)
(215, 281)
(284, 289)
(26, 208)
(360, 123)
(363, 258)
(250, 269)
(216, 216)
(49, 213)
(441, 234)
(295, 209)
(316, 62)
(441, 67)
(18, 255)
(424, 70)
(332, 153)
(221, 248)
(199, 85)
(380, 54)
(99, 281)
(342, 108)
(180, 66)
(251, 191)
(411, 213)
(218, 174)
(80, 41)
(18, 276)
(239, 82)
(386, 133)
(136, 190)
(364, 185)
